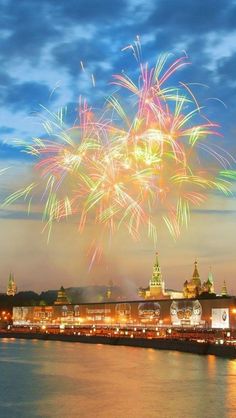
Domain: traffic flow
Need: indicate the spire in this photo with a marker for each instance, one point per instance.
(196, 277)
(157, 262)
(211, 280)
(195, 272)
(156, 280)
(10, 279)
(224, 291)
(11, 286)
(109, 289)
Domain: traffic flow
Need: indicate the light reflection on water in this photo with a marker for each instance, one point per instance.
(63, 380)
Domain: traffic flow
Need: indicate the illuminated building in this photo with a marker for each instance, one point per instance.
(11, 287)
(160, 307)
(217, 312)
(62, 298)
(224, 291)
(156, 288)
(208, 286)
(109, 290)
(194, 287)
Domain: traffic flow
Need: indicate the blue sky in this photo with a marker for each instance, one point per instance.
(41, 46)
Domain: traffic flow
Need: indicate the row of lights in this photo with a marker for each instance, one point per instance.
(5, 315)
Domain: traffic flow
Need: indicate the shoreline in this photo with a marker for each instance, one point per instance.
(186, 346)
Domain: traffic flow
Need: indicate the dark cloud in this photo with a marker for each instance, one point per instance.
(9, 152)
(27, 96)
(29, 27)
(5, 84)
(69, 55)
(186, 17)
(227, 69)
(10, 214)
(5, 79)
(100, 11)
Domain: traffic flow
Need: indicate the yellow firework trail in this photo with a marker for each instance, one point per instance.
(143, 159)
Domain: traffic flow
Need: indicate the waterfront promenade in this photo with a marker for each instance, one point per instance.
(199, 341)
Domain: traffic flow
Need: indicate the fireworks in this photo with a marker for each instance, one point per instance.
(139, 162)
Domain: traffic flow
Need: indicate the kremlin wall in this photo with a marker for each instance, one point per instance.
(209, 313)
(196, 306)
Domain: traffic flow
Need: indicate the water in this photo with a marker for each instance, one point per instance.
(63, 380)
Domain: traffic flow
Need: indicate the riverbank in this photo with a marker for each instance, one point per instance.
(187, 346)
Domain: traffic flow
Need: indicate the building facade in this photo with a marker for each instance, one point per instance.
(218, 312)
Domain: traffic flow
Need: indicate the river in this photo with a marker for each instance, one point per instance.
(63, 380)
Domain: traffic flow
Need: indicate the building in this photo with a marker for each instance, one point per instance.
(156, 288)
(224, 291)
(208, 286)
(109, 290)
(194, 287)
(214, 312)
(62, 298)
(11, 286)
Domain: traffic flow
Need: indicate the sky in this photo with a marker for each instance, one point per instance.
(42, 44)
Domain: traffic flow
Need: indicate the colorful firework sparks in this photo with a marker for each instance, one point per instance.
(131, 168)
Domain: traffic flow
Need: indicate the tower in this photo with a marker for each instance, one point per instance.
(62, 298)
(208, 285)
(193, 287)
(109, 290)
(224, 291)
(196, 278)
(210, 281)
(11, 286)
(156, 284)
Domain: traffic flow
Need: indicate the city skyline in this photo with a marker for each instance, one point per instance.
(47, 71)
(6, 285)
(117, 208)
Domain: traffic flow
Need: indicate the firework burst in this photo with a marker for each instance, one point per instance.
(130, 168)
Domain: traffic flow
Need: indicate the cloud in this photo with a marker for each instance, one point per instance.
(29, 28)
(27, 96)
(6, 130)
(70, 54)
(223, 212)
(193, 18)
(100, 11)
(10, 214)
(5, 79)
(8, 152)
(227, 70)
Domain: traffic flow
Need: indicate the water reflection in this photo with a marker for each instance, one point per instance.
(231, 389)
(63, 380)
